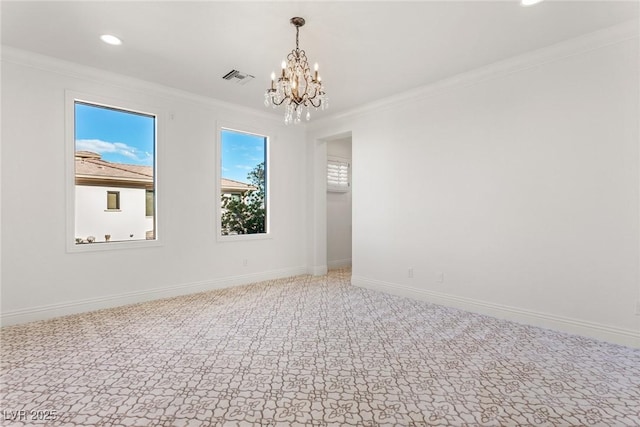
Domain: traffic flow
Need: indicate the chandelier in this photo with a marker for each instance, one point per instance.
(296, 87)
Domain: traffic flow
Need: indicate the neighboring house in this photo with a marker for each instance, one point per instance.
(113, 199)
(117, 199)
(234, 189)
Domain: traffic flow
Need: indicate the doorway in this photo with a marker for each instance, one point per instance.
(339, 202)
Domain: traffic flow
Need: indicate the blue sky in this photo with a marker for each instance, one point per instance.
(123, 137)
(240, 152)
(119, 136)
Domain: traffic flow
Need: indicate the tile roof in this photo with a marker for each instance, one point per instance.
(230, 185)
(90, 164)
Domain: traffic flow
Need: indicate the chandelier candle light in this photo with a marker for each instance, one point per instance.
(297, 88)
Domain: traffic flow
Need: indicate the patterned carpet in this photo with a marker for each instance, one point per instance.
(311, 351)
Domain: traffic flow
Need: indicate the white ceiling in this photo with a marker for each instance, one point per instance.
(366, 50)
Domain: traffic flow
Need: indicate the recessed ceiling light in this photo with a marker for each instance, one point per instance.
(109, 39)
(529, 2)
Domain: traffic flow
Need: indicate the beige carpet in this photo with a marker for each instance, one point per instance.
(311, 351)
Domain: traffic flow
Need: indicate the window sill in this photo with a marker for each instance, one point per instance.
(244, 237)
(112, 210)
(111, 246)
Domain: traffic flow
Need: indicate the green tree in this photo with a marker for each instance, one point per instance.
(246, 214)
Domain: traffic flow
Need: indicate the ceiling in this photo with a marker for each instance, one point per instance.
(366, 50)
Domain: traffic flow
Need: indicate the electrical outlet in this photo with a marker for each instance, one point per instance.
(440, 277)
(245, 262)
(638, 308)
(410, 273)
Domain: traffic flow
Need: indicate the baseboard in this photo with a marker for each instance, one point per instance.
(598, 331)
(317, 270)
(339, 263)
(81, 306)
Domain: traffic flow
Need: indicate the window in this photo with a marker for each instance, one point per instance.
(338, 174)
(150, 202)
(243, 183)
(114, 153)
(113, 200)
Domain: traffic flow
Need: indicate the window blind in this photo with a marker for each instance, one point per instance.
(338, 175)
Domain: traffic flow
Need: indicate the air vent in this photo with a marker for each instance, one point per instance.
(238, 77)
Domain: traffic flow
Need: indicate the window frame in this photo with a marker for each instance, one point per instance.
(251, 130)
(127, 105)
(117, 201)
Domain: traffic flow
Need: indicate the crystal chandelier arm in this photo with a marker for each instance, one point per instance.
(276, 103)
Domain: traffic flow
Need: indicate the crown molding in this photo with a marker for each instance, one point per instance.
(559, 51)
(75, 70)
(556, 52)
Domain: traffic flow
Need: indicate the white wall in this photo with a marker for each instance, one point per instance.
(41, 279)
(339, 212)
(93, 219)
(512, 191)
